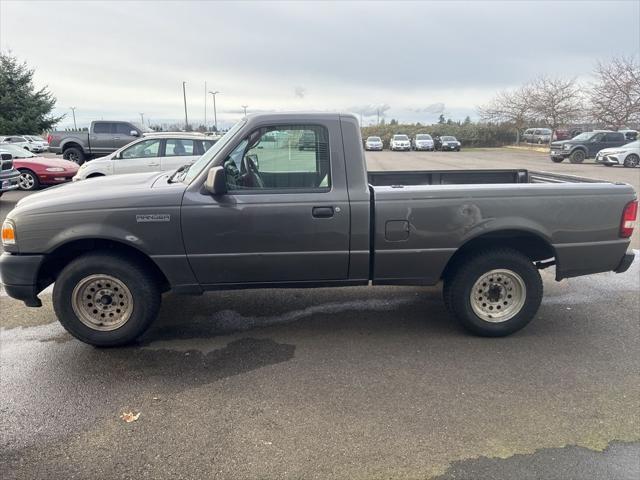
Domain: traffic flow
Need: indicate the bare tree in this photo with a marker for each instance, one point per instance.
(509, 106)
(614, 98)
(556, 101)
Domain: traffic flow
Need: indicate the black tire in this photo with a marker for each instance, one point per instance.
(557, 159)
(577, 156)
(74, 154)
(143, 289)
(608, 164)
(28, 180)
(631, 161)
(467, 270)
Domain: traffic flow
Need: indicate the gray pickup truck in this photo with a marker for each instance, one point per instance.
(255, 211)
(102, 139)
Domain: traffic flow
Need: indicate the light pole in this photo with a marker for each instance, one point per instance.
(73, 110)
(184, 94)
(205, 106)
(215, 115)
(245, 109)
(142, 119)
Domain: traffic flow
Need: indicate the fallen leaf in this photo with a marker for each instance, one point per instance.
(129, 416)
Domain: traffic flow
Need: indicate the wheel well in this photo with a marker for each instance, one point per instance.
(71, 145)
(529, 244)
(95, 175)
(63, 255)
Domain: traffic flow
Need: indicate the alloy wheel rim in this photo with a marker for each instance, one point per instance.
(498, 295)
(102, 302)
(27, 181)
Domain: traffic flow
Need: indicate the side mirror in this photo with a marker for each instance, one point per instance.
(134, 133)
(6, 156)
(216, 183)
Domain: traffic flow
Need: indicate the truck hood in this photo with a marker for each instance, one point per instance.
(115, 191)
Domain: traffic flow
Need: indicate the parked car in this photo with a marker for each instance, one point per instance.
(630, 135)
(307, 141)
(36, 171)
(373, 143)
(399, 142)
(566, 133)
(423, 141)
(233, 220)
(585, 145)
(9, 176)
(37, 143)
(102, 138)
(447, 142)
(17, 141)
(151, 153)
(537, 135)
(627, 155)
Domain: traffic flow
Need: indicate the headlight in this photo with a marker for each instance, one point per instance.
(566, 146)
(8, 233)
(54, 169)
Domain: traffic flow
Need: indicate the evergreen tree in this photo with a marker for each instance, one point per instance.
(441, 119)
(23, 109)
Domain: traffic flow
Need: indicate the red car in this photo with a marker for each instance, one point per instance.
(36, 171)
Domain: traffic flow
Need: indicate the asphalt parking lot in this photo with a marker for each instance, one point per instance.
(336, 383)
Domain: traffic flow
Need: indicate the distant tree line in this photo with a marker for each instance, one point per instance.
(611, 100)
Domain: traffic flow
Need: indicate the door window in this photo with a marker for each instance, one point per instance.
(144, 149)
(123, 129)
(294, 157)
(176, 147)
(102, 127)
(614, 137)
(599, 137)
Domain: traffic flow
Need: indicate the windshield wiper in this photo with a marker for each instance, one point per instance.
(183, 169)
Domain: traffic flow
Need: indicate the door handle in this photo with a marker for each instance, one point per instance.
(322, 212)
(153, 164)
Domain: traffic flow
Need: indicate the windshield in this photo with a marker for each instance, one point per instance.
(423, 137)
(373, 139)
(200, 164)
(36, 139)
(17, 152)
(449, 139)
(584, 136)
(400, 137)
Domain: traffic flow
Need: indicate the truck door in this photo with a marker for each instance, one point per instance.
(596, 144)
(122, 134)
(285, 217)
(101, 138)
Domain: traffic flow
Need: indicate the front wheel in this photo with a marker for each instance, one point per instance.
(577, 157)
(105, 300)
(632, 161)
(493, 293)
(28, 180)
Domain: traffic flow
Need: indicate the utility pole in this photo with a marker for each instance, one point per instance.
(184, 94)
(378, 116)
(215, 115)
(142, 119)
(73, 110)
(245, 109)
(205, 106)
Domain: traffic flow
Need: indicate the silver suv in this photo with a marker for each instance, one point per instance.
(537, 135)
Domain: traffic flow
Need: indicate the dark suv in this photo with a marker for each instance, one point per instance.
(585, 145)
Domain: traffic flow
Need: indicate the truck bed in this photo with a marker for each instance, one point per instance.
(468, 177)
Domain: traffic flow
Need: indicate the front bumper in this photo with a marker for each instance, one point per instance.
(424, 147)
(19, 277)
(450, 147)
(607, 159)
(53, 179)
(373, 148)
(402, 148)
(9, 182)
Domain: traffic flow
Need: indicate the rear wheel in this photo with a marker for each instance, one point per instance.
(493, 293)
(105, 299)
(28, 180)
(74, 154)
(631, 161)
(577, 157)
(557, 159)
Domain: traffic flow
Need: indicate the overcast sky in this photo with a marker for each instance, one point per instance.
(116, 59)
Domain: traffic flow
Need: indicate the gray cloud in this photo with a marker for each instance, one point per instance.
(125, 58)
(436, 108)
(371, 110)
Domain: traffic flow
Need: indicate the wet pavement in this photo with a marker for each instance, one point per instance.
(330, 383)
